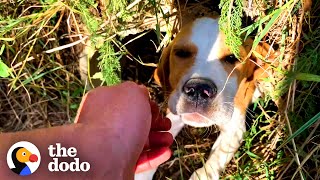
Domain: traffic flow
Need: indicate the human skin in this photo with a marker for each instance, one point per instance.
(118, 130)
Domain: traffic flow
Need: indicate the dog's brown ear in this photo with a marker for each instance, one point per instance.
(260, 59)
(161, 74)
(253, 68)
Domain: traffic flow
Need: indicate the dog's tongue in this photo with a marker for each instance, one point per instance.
(192, 116)
(194, 119)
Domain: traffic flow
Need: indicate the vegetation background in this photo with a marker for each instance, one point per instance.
(41, 43)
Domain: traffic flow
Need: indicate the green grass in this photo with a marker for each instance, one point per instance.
(37, 57)
(30, 29)
(109, 59)
(38, 81)
(231, 22)
(258, 156)
(304, 113)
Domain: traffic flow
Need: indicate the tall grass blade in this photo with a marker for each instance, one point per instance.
(301, 129)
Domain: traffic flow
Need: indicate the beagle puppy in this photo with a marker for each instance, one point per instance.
(208, 85)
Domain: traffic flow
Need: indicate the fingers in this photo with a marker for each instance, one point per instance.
(152, 159)
(158, 139)
(156, 150)
(159, 123)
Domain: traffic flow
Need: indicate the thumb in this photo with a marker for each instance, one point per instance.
(105, 102)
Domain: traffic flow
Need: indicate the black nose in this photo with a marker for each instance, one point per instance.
(198, 89)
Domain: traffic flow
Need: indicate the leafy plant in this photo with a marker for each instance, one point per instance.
(230, 23)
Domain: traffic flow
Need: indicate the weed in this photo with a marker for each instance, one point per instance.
(230, 23)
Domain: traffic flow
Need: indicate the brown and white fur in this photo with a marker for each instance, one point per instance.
(208, 86)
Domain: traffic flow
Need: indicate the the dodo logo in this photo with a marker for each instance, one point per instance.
(23, 158)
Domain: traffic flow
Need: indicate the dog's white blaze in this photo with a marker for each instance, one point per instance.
(205, 35)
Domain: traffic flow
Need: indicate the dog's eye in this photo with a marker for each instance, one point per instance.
(231, 59)
(182, 53)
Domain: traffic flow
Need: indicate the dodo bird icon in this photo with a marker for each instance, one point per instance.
(23, 159)
(20, 156)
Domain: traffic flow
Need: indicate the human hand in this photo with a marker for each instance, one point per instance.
(123, 118)
(156, 150)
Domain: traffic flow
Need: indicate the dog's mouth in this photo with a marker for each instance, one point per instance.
(195, 119)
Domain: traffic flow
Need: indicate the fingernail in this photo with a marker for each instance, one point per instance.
(144, 88)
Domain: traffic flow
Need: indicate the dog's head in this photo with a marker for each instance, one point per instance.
(203, 76)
